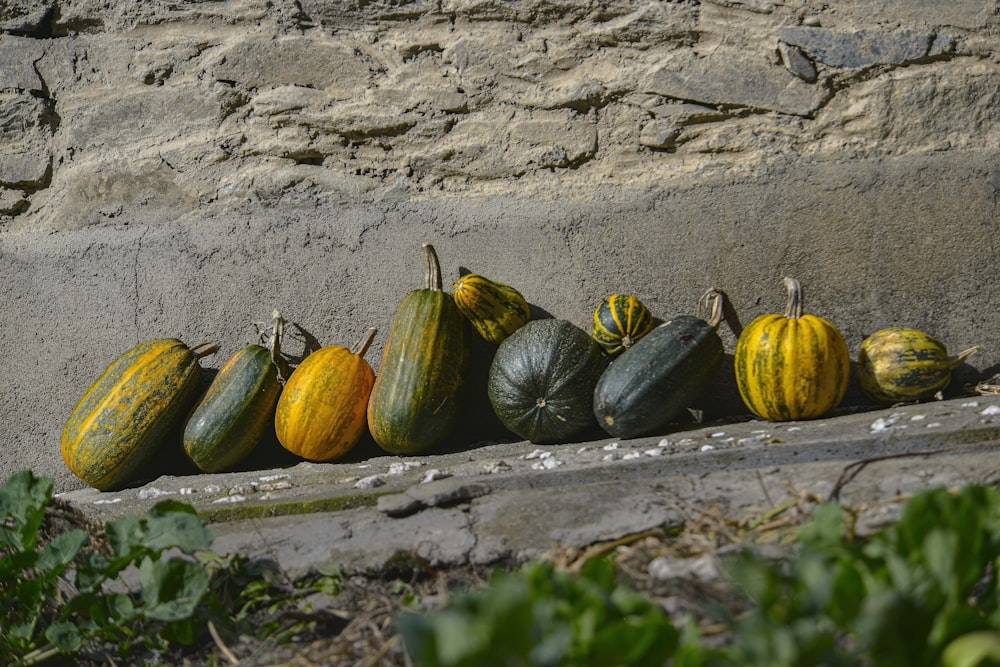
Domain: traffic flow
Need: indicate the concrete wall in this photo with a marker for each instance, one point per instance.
(182, 170)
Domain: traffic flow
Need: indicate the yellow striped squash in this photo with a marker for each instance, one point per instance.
(619, 322)
(898, 365)
(135, 407)
(321, 414)
(791, 366)
(495, 310)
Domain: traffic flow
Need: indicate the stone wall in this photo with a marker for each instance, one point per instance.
(182, 168)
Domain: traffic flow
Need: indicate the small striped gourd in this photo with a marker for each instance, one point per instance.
(645, 388)
(898, 365)
(237, 410)
(416, 400)
(791, 366)
(619, 322)
(321, 412)
(495, 310)
(131, 411)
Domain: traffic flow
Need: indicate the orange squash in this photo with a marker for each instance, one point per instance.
(321, 414)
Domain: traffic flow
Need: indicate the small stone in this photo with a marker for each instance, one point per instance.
(107, 501)
(707, 448)
(665, 443)
(400, 467)
(229, 499)
(536, 454)
(370, 482)
(991, 410)
(496, 467)
(631, 455)
(548, 463)
(659, 134)
(433, 475)
(274, 478)
(653, 452)
(610, 447)
(150, 493)
(797, 62)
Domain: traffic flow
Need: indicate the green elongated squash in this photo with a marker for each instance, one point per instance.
(495, 310)
(900, 364)
(659, 376)
(135, 407)
(415, 403)
(542, 379)
(237, 410)
(321, 412)
(620, 321)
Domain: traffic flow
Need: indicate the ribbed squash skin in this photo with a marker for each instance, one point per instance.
(130, 412)
(645, 388)
(495, 310)
(542, 379)
(898, 364)
(791, 367)
(321, 412)
(416, 400)
(619, 322)
(235, 413)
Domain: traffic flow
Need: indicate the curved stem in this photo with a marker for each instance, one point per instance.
(712, 300)
(277, 331)
(362, 345)
(793, 309)
(960, 358)
(432, 268)
(204, 349)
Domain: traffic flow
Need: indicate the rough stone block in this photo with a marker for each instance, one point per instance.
(25, 140)
(16, 57)
(860, 48)
(24, 15)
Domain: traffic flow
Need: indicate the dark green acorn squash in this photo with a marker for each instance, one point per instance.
(415, 403)
(645, 388)
(541, 382)
(238, 408)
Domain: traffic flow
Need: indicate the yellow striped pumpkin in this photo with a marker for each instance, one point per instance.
(135, 407)
(321, 414)
(899, 365)
(791, 366)
(619, 322)
(495, 310)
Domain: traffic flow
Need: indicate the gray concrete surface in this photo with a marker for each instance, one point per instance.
(509, 502)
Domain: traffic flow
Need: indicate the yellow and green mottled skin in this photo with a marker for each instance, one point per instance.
(495, 310)
(619, 322)
(415, 403)
(235, 412)
(321, 411)
(898, 364)
(131, 410)
(791, 366)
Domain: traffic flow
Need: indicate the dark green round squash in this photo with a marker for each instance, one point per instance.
(541, 381)
(645, 388)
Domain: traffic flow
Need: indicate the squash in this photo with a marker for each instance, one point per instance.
(791, 366)
(415, 403)
(899, 364)
(238, 408)
(541, 382)
(321, 412)
(619, 322)
(131, 411)
(495, 310)
(646, 387)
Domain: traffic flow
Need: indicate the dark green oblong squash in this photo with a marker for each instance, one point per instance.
(135, 407)
(541, 382)
(645, 388)
(415, 403)
(237, 410)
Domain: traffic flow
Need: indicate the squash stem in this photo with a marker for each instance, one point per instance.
(712, 300)
(277, 331)
(432, 268)
(793, 309)
(362, 345)
(960, 358)
(204, 349)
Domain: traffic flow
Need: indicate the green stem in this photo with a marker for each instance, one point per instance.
(362, 345)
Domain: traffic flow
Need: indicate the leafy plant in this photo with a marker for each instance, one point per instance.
(541, 616)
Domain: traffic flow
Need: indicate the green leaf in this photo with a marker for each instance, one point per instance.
(61, 551)
(173, 524)
(24, 498)
(64, 636)
(171, 589)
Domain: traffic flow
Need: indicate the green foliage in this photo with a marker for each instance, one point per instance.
(923, 592)
(55, 598)
(541, 616)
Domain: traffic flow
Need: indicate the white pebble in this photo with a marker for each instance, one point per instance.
(718, 434)
(918, 418)
(933, 425)
(610, 447)
(631, 455)
(971, 404)
(434, 474)
(229, 499)
(147, 494)
(400, 467)
(608, 457)
(548, 463)
(496, 467)
(991, 410)
(581, 450)
(274, 478)
(686, 442)
(707, 448)
(534, 455)
(753, 440)
(794, 428)
(370, 482)
(107, 501)
(185, 490)
(665, 443)
(213, 488)
(653, 452)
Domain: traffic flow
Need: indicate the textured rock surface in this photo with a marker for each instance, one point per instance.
(181, 169)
